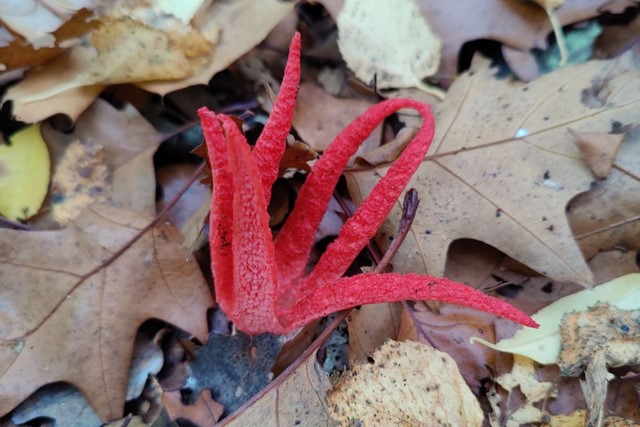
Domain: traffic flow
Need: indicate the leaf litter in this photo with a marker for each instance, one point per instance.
(602, 219)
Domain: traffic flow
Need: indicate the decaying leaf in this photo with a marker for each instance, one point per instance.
(319, 117)
(24, 173)
(401, 55)
(523, 376)
(370, 326)
(502, 171)
(594, 387)
(128, 142)
(72, 303)
(544, 344)
(140, 42)
(603, 328)
(608, 216)
(81, 178)
(599, 150)
(299, 399)
(407, 384)
(242, 25)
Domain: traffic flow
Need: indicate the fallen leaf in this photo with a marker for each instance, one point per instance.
(602, 328)
(370, 326)
(594, 387)
(298, 399)
(406, 52)
(516, 24)
(72, 303)
(119, 51)
(242, 24)
(319, 117)
(129, 143)
(19, 52)
(407, 384)
(37, 23)
(503, 172)
(81, 177)
(599, 150)
(523, 376)
(203, 412)
(543, 344)
(449, 329)
(389, 151)
(62, 403)
(24, 173)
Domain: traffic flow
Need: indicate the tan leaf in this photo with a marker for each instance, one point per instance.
(502, 171)
(401, 55)
(370, 326)
(119, 51)
(320, 117)
(129, 143)
(449, 330)
(298, 399)
(204, 412)
(516, 24)
(523, 376)
(20, 52)
(602, 328)
(608, 216)
(599, 150)
(70, 315)
(407, 384)
(242, 25)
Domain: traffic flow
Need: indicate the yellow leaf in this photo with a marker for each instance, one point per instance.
(24, 174)
(407, 384)
(543, 344)
(391, 41)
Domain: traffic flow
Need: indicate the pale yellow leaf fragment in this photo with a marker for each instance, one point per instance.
(543, 344)
(24, 174)
(523, 375)
(407, 384)
(391, 41)
(80, 179)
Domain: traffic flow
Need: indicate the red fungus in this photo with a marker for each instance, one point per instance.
(260, 284)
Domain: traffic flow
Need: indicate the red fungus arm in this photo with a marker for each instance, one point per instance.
(372, 288)
(252, 307)
(221, 216)
(272, 141)
(295, 240)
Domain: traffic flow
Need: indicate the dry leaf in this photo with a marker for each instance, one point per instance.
(602, 328)
(449, 330)
(36, 21)
(391, 42)
(599, 150)
(516, 24)
(594, 387)
(19, 52)
(298, 400)
(242, 23)
(543, 344)
(523, 376)
(81, 178)
(370, 326)
(119, 51)
(68, 316)
(203, 412)
(129, 143)
(407, 384)
(319, 117)
(502, 171)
